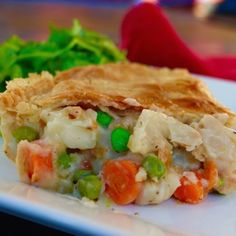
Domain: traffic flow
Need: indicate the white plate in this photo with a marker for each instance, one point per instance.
(213, 217)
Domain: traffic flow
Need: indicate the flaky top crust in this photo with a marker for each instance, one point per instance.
(121, 86)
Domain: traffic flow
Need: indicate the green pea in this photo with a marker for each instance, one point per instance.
(90, 186)
(80, 174)
(154, 166)
(104, 119)
(120, 139)
(64, 160)
(25, 133)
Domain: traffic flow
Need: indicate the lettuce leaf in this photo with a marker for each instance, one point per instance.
(64, 49)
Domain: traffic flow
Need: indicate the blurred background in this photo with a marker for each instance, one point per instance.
(208, 26)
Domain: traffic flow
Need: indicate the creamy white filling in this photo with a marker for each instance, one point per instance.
(153, 131)
(185, 160)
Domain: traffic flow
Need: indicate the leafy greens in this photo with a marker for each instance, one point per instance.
(64, 49)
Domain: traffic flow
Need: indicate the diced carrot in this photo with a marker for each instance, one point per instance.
(195, 192)
(39, 163)
(189, 192)
(119, 177)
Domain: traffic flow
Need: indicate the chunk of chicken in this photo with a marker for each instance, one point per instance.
(153, 130)
(72, 126)
(219, 143)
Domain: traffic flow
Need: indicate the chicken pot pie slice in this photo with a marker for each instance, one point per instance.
(134, 133)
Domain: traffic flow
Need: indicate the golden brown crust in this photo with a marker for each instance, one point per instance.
(24, 90)
(175, 92)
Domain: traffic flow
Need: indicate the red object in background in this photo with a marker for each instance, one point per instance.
(149, 38)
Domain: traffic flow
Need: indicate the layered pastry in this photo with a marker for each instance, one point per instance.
(131, 132)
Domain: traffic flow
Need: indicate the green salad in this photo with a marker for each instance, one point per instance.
(64, 49)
